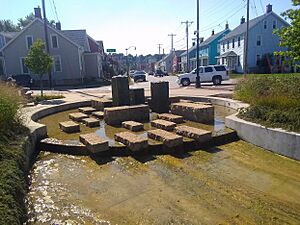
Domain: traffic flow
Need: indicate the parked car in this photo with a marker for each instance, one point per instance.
(160, 73)
(23, 80)
(215, 74)
(139, 76)
(131, 72)
(151, 73)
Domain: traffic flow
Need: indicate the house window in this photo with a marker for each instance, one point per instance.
(258, 59)
(24, 69)
(54, 41)
(1, 66)
(265, 24)
(258, 40)
(233, 40)
(274, 24)
(239, 41)
(224, 45)
(57, 64)
(29, 41)
(227, 44)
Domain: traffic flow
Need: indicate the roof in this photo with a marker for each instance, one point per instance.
(228, 54)
(242, 28)
(207, 41)
(9, 34)
(79, 37)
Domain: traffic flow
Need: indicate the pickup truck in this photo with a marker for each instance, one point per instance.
(215, 74)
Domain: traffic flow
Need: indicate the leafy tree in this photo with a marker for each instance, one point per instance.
(23, 22)
(7, 26)
(290, 36)
(38, 61)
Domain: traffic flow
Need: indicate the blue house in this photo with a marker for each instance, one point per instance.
(208, 52)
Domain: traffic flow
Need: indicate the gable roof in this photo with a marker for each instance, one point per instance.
(242, 28)
(79, 37)
(207, 41)
(9, 34)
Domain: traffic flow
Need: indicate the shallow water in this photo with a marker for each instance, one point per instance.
(236, 183)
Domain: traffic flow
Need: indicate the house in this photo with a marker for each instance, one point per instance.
(262, 42)
(77, 56)
(208, 51)
(167, 62)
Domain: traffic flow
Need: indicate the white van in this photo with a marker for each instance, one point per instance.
(215, 74)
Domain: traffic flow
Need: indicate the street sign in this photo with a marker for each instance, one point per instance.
(111, 50)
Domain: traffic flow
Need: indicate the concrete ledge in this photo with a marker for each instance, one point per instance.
(276, 140)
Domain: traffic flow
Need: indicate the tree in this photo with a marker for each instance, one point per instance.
(38, 61)
(7, 26)
(24, 22)
(290, 36)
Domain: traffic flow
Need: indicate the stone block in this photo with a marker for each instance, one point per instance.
(163, 124)
(69, 127)
(94, 143)
(137, 96)
(132, 141)
(170, 117)
(98, 114)
(133, 126)
(197, 134)
(169, 139)
(91, 122)
(87, 110)
(120, 91)
(201, 113)
(117, 115)
(78, 117)
(160, 97)
(102, 103)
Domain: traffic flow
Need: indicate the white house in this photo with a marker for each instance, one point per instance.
(262, 41)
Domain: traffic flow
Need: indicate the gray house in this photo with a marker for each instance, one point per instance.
(77, 57)
(262, 42)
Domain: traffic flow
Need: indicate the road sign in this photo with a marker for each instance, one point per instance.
(111, 50)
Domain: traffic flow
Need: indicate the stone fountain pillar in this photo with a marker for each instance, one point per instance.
(120, 91)
(160, 97)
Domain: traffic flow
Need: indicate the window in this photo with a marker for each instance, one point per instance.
(258, 58)
(208, 69)
(24, 69)
(1, 66)
(233, 40)
(274, 24)
(54, 41)
(224, 45)
(220, 68)
(200, 70)
(265, 24)
(205, 62)
(57, 64)
(29, 41)
(239, 41)
(258, 40)
(227, 44)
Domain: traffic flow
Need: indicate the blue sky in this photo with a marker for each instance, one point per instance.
(143, 23)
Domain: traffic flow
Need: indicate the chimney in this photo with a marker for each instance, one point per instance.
(37, 12)
(58, 25)
(194, 43)
(212, 32)
(269, 8)
(201, 39)
(243, 20)
(226, 26)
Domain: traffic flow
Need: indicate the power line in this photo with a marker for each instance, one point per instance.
(55, 10)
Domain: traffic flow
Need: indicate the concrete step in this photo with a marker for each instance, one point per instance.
(94, 143)
(69, 127)
(163, 124)
(133, 126)
(87, 110)
(100, 104)
(132, 141)
(98, 114)
(91, 122)
(170, 117)
(168, 139)
(197, 134)
(78, 117)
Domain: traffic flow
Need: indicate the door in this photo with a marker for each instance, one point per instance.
(207, 75)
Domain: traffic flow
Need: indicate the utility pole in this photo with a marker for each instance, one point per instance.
(187, 23)
(159, 47)
(246, 44)
(172, 41)
(47, 40)
(198, 84)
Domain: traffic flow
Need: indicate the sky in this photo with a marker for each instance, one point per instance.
(142, 23)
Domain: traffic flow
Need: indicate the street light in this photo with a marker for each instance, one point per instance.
(127, 57)
(198, 84)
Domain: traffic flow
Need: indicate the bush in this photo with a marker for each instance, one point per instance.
(40, 98)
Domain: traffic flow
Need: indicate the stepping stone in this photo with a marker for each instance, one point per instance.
(132, 141)
(98, 114)
(170, 117)
(133, 126)
(78, 117)
(100, 104)
(199, 135)
(94, 143)
(163, 124)
(91, 122)
(69, 127)
(168, 139)
(87, 110)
